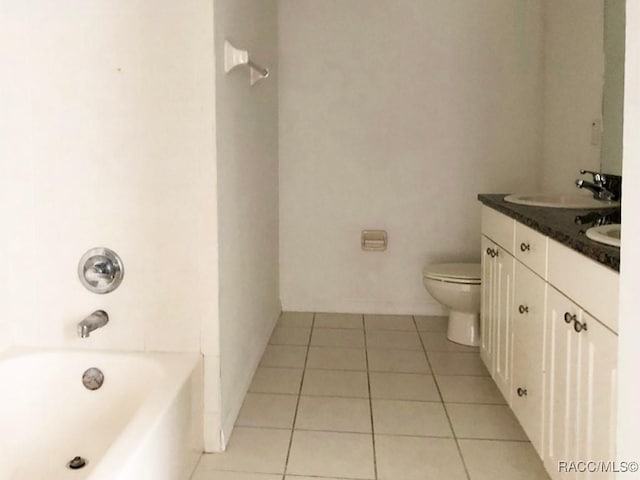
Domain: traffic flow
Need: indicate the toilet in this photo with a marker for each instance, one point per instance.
(457, 286)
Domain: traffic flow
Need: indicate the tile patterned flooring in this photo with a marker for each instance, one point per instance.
(375, 397)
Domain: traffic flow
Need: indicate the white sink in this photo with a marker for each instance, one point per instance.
(558, 200)
(607, 234)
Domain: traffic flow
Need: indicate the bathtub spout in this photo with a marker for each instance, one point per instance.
(96, 320)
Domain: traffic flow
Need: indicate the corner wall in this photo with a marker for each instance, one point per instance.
(247, 153)
(395, 115)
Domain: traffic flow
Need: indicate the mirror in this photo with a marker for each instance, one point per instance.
(613, 91)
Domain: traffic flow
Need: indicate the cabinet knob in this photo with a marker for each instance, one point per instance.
(522, 392)
(578, 327)
(524, 247)
(523, 309)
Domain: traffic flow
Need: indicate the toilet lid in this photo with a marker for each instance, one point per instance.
(454, 272)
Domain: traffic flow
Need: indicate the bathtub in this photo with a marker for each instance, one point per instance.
(144, 423)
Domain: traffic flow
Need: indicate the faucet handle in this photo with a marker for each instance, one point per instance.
(597, 176)
(100, 270)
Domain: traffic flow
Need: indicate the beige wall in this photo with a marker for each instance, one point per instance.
(573, 81)
(394, 115)
(247, 152)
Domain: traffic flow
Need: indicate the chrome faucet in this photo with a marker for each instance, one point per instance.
(99, 271)
(96, 320)
(597, 187)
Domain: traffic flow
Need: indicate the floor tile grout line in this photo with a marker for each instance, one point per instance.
(290, 475)
(378, 398)
(377, 347)
(384, 372)
(382, 399)
(295, 414)
(387, 434)
(453, 432)
(373, 431)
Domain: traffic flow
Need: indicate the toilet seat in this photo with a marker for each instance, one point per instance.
(460, 273)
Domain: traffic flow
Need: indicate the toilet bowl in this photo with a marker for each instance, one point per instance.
(457, 287)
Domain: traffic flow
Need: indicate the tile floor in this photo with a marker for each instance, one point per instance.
(374, 397)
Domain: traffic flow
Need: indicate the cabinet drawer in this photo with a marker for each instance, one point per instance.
(588, 283)
(499, 228)
(531, 249)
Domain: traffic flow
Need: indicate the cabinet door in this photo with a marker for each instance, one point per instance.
(580, 402)
(562, 378)
(528, 352)
(597, 394)
(487, 308)
(504, 274)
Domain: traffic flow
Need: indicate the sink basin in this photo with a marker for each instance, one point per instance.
(607, 234)
(559, 200)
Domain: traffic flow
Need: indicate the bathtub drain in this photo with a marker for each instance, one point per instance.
(93, 378)
(76, 463)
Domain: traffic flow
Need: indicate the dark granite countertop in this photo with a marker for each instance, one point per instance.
(565, 225)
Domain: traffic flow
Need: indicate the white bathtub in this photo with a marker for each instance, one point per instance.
(145, 422)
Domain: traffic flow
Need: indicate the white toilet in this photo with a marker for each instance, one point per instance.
(457, 286)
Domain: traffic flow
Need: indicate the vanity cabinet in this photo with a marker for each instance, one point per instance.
(488, 293)
(548, 338)
(531, 249)
(580, 385)
(528, 352)
(497, 295)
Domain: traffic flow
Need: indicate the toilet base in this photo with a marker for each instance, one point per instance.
(464, 328)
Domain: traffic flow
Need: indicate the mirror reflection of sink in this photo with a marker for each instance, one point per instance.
(607, 234)
(559, 200)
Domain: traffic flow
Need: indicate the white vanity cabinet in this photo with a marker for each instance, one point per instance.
(531, 249)
(486, 303)
(548, 338)
(502, 318)
(497, 304)
(581, 388)
(528, 352)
